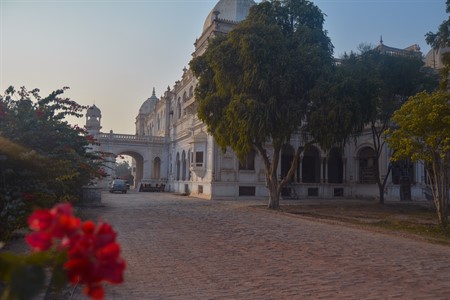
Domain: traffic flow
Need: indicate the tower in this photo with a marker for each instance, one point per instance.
(93, 118)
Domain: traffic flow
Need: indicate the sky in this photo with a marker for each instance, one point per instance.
(112, 53)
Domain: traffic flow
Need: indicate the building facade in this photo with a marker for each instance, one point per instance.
(187, 160)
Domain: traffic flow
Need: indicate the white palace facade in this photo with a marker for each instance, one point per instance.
(172, 146)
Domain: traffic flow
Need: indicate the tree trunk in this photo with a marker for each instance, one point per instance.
(439, 188)
(270, 170)
(378, 144)
(274, 196)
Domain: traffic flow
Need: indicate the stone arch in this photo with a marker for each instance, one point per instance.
(183, 165)
(137, 165)
(366, 165)
(287, 155)
(311, 165)
(335, 166)
(156, 168)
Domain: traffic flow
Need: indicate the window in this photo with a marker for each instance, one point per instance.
(402, 169)
(199, 159)
(249, 163)
(247, 191)
(313, 192)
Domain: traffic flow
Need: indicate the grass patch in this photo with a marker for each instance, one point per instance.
(406, 218)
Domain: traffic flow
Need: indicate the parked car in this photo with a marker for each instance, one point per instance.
(118, 185)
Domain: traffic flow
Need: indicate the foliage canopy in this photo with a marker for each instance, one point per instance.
(422, 133)
(255, 82)
(43, 159)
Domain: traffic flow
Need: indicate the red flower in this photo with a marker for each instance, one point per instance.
(95, 258)
(50, 225)
(93, 254)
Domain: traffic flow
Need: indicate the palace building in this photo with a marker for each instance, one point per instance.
(172, 146)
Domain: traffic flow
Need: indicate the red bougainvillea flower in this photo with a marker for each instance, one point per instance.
(51, 225)
(94, 258)
(92, 251)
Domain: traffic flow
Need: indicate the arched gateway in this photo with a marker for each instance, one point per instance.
(149, 153)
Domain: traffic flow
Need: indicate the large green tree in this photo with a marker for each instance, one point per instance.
(43, 159)
(255, 82)
(383, 83)
(422, 133)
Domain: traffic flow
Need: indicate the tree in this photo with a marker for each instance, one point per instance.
(123, 171)
(441, 39)
(338, 110)
(384, 82)
(422, 133)
(45, 160)
(254, 82)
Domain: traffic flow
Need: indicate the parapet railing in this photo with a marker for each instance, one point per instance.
(114, 137)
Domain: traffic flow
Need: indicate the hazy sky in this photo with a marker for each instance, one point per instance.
(112, 53)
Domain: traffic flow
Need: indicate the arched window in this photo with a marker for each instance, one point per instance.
(402, 168)
(179, 108)
(156, 168)
(311, 165)
(287, 155)
(183, 166)
(184, 96)
(191, 91)
(366, 158)
(335, 166)
(178, 166)
(189, 162)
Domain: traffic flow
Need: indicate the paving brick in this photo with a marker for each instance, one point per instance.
(179, 247)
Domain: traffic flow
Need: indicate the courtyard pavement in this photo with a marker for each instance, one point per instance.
(178, 247)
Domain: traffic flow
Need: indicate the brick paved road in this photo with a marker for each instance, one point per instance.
(184, 248)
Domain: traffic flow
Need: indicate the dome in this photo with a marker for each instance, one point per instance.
(149, 104)
(93, 111)
(232, 10)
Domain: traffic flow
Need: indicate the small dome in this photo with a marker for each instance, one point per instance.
(149, 104)
(232, 10)
(93, 111)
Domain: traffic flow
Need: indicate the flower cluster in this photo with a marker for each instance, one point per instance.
(93, 255)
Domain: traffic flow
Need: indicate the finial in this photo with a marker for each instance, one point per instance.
(381, 39)
(153, 93)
